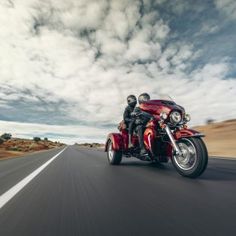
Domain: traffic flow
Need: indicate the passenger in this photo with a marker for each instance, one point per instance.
(128, 119)
(141, 120)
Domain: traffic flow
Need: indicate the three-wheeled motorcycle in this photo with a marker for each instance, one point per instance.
(166, 137)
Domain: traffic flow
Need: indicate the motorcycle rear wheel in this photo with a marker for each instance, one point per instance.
(194, 160)
(114, 157)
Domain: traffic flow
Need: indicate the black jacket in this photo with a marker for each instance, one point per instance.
(127, 115)
(141, 117)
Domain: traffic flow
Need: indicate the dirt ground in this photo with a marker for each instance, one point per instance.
(17, 147)
(220, 138)
(7, 154)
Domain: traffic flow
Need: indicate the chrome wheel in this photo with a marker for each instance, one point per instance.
(110, 152)
(193, 161)
(188, 159)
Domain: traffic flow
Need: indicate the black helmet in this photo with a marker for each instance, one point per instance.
(143, 97)
(132, 100)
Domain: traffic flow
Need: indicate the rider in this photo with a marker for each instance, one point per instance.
(132, 101)
(141, 119)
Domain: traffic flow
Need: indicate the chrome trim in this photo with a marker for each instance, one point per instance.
(110, 151)
(189, 154)
(185, 117)
(149, 141)
(150, 144)
(171, 137)
(174, 114)
(162, 114)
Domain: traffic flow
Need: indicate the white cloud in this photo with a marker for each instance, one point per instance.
(69, 134)
(209, 28)
(184, 53)
(160, 31)
(227, 7)
(87, 53)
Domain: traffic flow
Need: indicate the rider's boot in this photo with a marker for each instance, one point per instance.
(144, 155)
(143, 152)
(130, 145)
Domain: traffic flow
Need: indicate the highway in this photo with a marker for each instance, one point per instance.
(79, 193)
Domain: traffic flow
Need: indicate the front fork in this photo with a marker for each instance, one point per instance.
(172, 139)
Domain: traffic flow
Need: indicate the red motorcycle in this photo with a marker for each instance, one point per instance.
(166, 136)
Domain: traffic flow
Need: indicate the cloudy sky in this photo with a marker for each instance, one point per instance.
(66, 67)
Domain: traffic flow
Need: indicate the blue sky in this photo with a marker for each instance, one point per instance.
(66, 67)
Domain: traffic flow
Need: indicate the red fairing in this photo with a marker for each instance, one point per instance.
(155, 107)
(117, 141)
(186, 133)
(125, 137)
(149, 135)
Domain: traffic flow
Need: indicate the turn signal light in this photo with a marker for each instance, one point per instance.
(162, 125)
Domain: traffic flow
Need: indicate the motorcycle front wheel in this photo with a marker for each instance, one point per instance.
(193, 161)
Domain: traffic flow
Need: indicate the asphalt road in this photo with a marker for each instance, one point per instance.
(79, 193)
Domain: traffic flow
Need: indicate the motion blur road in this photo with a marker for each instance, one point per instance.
(79, 193)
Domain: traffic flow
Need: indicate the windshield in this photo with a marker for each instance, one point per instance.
(164, 97)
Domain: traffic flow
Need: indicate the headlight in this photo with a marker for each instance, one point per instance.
(175, 117)
(187, 117)
(163, 115)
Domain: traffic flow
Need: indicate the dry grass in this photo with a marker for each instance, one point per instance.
(91, 145)
(220, 138)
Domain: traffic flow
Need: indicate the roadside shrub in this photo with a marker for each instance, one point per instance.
(1, 140)
(15, 148)
(6, 136)
(37, 139)
(210, 121)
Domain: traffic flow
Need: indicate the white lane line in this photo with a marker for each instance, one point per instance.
(8, 195)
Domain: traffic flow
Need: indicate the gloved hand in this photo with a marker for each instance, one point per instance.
(139, 121)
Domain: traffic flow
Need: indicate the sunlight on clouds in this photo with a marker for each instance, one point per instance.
(92, 54)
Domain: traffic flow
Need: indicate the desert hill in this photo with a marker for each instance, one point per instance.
(16, 146)
(220, 138)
